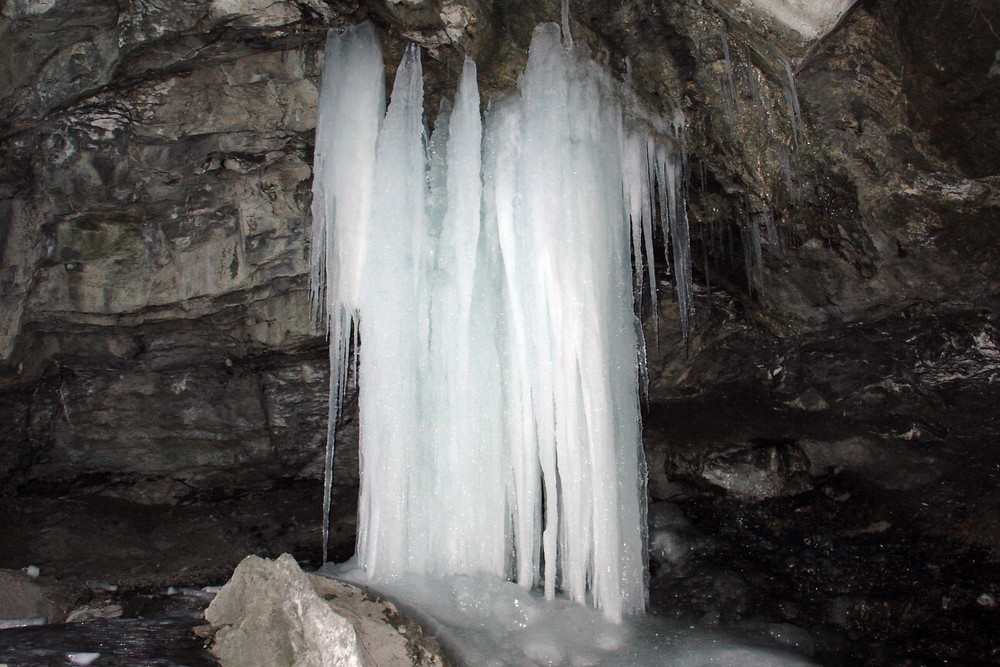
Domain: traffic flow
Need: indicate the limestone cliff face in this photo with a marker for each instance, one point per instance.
(155, 188)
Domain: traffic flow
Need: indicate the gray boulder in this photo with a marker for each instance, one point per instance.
(270, 614)
(273, 613)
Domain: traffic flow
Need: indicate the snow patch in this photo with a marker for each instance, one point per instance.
(813, 19)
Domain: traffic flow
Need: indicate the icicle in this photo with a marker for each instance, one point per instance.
(753, 254)
(758, 255)
(437, 168)
(748, 260)
(471, 489)
(774, 244)
(752, 79)
(503, 157)
(638, 187)
(784, 160)
(678, 127)
(566, 32)
(729, 83)
(671, 177)
(556, 155)
(351, 105)
(705, 269)
(643, 367)
(792, 97)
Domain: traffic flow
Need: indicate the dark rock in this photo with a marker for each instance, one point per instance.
(207, 419)
(97, 529)
(295, 398)
(766, 470)
(24, 599)
(664, 515)
(892, 465)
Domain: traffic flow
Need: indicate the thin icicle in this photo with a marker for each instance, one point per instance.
(729, 82)
(680, 233)
(758, 254)
(566, 32)
(705, 268)
(638, 187)
(784, 160)
(752, 78)
(643, 358)
(792, 97)
(774, 244)
(678, 127)
(671, 179)
(753, 253)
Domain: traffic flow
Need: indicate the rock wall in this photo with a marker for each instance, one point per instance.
(156, 192)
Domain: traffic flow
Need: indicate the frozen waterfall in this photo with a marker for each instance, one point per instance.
(485, 276)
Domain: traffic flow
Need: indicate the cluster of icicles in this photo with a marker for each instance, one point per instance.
(485, 276)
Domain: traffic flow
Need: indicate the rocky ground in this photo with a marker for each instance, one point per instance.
(844, 483)
(885, 560)
(847, 533)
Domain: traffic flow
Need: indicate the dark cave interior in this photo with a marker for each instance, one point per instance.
(822, 450)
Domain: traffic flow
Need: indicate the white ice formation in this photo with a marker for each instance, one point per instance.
(486, 276)
(351, 105)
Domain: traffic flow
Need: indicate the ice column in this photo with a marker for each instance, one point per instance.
(490, 273)
(555, 192)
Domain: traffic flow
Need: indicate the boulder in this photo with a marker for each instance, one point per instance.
(388, 636)
(270, 614)
(766, 470)
(24, 601)
(273, 613)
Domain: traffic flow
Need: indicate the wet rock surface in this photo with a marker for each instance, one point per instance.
(842, 563)
(158, 630)
(841, 482)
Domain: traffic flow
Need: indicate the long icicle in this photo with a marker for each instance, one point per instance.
(352, 102)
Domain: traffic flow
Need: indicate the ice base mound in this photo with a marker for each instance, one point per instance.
(484, 621)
